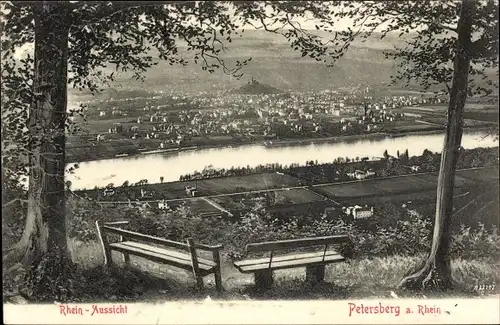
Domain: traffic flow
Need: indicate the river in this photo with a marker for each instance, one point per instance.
(171, 166)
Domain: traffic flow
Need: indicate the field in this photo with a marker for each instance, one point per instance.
(474, 114)
(109, 149)
(102, 125)
(198, 206)
(417, 191)
(408, 126)
(486, 116)
(480, 175)
(468, 122)
(206, 187)
(404, 184)
(278, 197)
(301, 196)
(424, 110)
(377, 187)
(225, 185)
(412, 199)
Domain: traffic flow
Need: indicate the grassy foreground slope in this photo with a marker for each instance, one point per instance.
(364, 278)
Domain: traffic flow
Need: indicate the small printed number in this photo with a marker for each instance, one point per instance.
(484, 287)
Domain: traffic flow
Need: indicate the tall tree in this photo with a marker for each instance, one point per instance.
(446, 42)
(73, 44)
(436, 271)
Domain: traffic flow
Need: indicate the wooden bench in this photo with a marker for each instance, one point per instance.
(314, 261)
(181, 255)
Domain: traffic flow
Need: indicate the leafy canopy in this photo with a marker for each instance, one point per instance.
(134, 36)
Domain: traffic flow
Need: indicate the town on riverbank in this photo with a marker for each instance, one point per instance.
(144, 125)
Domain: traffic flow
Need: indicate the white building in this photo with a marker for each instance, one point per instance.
(146, 194)
(359, 212)
(415, 168)
(163, 205)
(191, 190)
(363, 213)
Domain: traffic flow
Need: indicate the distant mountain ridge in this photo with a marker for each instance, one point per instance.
(274, 63)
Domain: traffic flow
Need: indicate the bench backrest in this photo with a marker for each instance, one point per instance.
(128, 235)
(297, 243)
(109, 228)
(190, 246)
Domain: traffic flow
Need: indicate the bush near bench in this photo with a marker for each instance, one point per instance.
(408, 234)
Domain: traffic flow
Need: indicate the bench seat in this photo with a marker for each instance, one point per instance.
(159, 254)
(314, 260)
(182, 255)
(289, 261)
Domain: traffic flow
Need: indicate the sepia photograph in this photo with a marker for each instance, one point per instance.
(250, 162)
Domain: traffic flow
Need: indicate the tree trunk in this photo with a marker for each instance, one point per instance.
(436, 272)
(45, 228)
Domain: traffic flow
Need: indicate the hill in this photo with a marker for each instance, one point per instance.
(274, 63)
(255, 88)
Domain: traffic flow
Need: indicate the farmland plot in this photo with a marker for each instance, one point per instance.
(489, 174)
(412, 199)
(225, 185)
(246, 201)
(235, 184)
(383, 187)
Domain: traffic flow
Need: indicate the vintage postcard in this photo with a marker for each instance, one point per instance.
(250, 162)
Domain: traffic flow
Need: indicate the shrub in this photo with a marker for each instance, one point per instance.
(410, 235)
(471, 244)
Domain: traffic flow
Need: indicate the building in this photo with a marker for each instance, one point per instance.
(359, 174)
(415, 168)
(163, 205)
(146, 194)
(109, 192)
(370, 173)
(191, 190)
(332, 213)
(358, 212)
(363, 213)
(117, 128)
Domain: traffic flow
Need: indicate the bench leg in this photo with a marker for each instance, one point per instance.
(263, 279)
(218, 280)
(126, 258)
(315, 273)
(199, 282)
(109, 259)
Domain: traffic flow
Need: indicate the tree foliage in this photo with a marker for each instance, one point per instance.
(430, 32)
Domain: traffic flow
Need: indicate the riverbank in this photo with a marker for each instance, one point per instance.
(116, 149)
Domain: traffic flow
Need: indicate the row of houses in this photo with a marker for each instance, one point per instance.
(361, 174)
